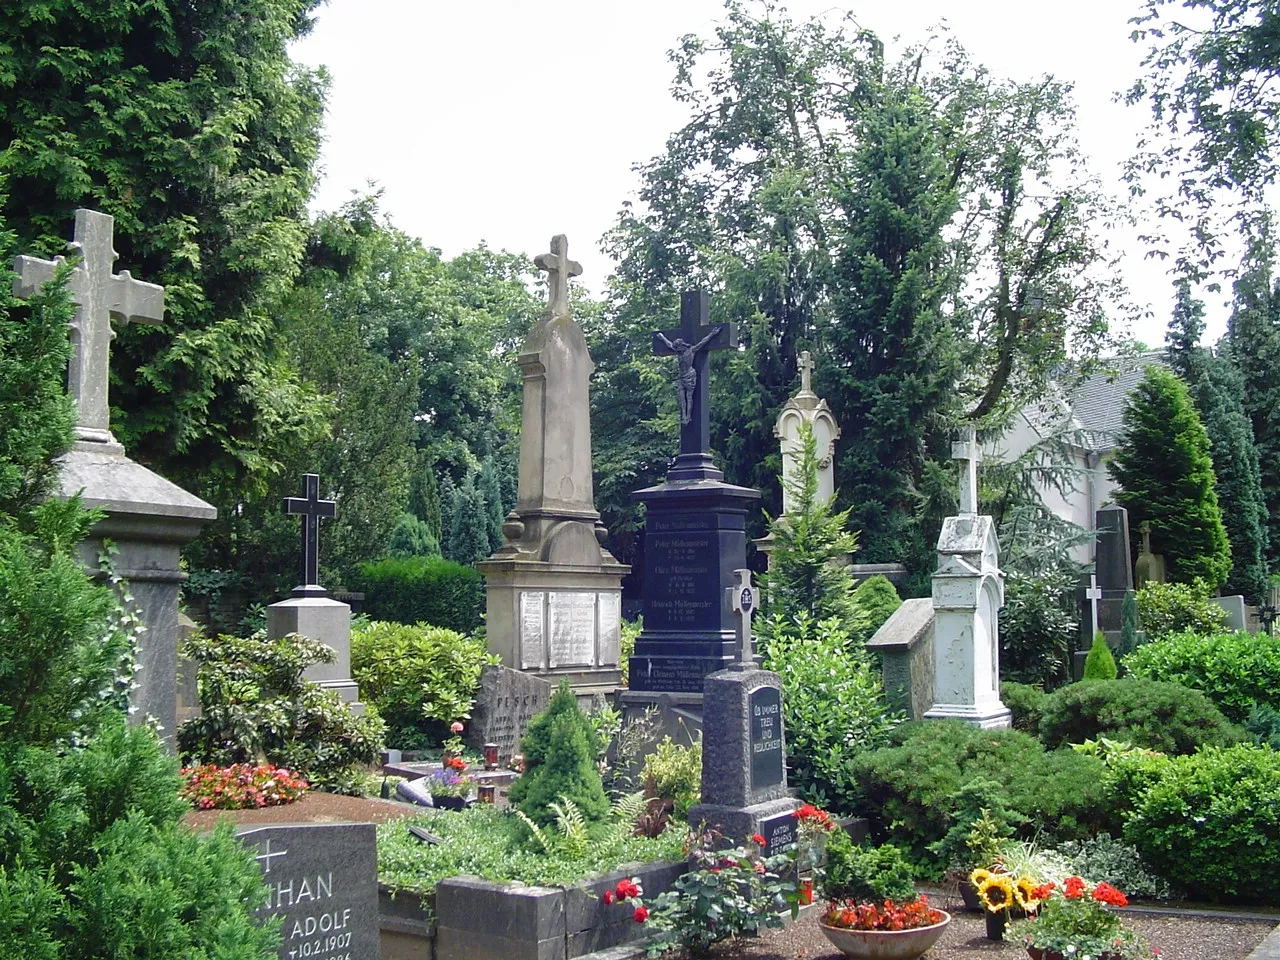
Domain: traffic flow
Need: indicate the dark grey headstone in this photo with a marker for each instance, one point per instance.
(1113, 562)
(778, 831)
(323, 883)
(766, 736)
(732, 729)
(508, 699)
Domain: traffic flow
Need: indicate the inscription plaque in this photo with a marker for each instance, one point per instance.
(765, 705)
(571, 624)
(671, 674)
(532, 647)
(779, 831)
(322, 881)
(610, 607)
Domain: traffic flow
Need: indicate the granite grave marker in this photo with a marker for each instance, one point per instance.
(506, 702)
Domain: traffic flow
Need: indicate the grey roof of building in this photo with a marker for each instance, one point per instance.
(1097, 403)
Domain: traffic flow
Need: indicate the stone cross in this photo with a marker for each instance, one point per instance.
(265, 856)
(1093, 594)
(805, 365)
(743, 602)
(693, 341)
(559, 269)
(311, 508)
(967, 451)
(99, 296)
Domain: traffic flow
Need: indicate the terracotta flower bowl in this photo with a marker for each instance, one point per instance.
(885, 944)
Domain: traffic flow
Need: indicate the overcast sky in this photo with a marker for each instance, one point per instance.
(508, 121)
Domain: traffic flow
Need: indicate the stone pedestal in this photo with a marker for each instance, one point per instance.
(904, 644)
(968, 591)
(744, 777)
(695, 538)
(149, 520)
(324, 621)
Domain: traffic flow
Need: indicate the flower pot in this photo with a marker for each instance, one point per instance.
(885, 944)
(1037, 953)
(449, 803)
(969, 894)
(996, 923)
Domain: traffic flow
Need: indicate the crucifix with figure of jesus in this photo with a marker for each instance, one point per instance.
(691, 344)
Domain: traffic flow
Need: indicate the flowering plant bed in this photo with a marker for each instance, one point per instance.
(1073, 920)
(241, 786)
(448, 783)
(888, 931)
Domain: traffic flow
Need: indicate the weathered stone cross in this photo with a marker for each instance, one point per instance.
(743, 602)
(559, 269)
(696, 335)
(967, 451)
(1093, 594)
(311, 508)
(99, 296)
(805, 365)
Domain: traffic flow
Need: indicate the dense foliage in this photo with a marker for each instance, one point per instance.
(1036, 627)
(878, 599)
(1099, 663)
(1026, 703)
(1166, 478)
(559, 763)
(255, 706)
(865, 874)
(1165, 608)
(1237, 671)
(423, 590)
(1146, 713)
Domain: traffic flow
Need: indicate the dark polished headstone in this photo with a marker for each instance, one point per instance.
(323, 883)
(1113, 562)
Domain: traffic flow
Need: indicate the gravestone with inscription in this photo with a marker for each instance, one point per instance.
(506, 702)
(553, 592)
(744, 776)
(146, 518)
(695, 532)
(322, 881)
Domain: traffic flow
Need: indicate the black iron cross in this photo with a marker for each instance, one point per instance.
(311, 508)
(695, 432)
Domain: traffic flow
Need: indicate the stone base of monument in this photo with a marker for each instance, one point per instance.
(988, 716)
(149, 520)
(774, 820)
(325, 621)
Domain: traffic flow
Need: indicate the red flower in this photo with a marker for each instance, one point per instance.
(456, 726)
(1105, 893)
(625, 890)
(607, 897)
(641, 915)
(757, 839)
(457, 763)
(1072, 888)
(1042, 892)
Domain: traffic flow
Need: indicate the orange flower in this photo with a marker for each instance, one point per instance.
(1105, 893)
(1072, 888)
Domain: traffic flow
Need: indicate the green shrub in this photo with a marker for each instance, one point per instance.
(877, 599)
(979, 821)
(913, 789)
(1105, 859)
(833, 706)
(423, 590)
(1160, 716)
(1165, 608)
(1263, 724)
(674, 773)
(255, 705)
(1036, 627)
(412, 537)
(627, 635)
(1211, 824)
(1099, 664)
(420, 678)
(1131, 635)
(1026, 703)
(865, 874)
(559, 762)
(1234, 670)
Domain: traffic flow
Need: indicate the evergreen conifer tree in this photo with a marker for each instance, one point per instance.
(491, 487)
(469, 525)
(559, 763)
(1165, 473)
(1130, 634)
(1100, 664)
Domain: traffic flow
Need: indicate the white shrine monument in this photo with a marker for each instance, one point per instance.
(553, 592)
(968, 592)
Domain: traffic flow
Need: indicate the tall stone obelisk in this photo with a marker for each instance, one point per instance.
(553, 592)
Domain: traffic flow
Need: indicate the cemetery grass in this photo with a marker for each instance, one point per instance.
(485, 842)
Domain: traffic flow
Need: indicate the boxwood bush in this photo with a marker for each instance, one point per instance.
(1147, 713)
(1026, 703)
(913, 788)
(1234, 670)
(422, 590)
(1210, 823)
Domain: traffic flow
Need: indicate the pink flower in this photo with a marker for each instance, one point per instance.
(456, 726)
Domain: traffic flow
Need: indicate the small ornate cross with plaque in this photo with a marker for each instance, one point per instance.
(743, 602)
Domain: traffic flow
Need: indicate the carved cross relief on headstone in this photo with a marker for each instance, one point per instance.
(559, 269)
(691, 345)
(99, 296)
(967, 451)
(743, 602)
(312, 509)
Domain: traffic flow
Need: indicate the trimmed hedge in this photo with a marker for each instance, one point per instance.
(1026, 703)
(423, 590)
(1160, 716)
(1234, 670)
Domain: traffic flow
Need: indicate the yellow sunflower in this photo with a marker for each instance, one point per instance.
(996, 892)
(1023, 888)
(978, 876)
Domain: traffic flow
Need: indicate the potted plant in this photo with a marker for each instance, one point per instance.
(888, 931)
(1076, 921)
(1004, 896)
(449, 789)
(451, 752)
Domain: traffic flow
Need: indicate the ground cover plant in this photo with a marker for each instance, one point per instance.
(1238, 671)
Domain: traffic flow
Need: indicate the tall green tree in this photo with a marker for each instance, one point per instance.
(1218, 391)
(192, 127)
(1165, 473)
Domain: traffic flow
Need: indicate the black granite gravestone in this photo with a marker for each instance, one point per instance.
(323, 882)
(766, 736)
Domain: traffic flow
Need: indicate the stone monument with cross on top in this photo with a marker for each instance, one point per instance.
(969, 454)
(146, 517)
(553, 593)
(310, 611)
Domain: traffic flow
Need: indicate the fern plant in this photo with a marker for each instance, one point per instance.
(569, 835)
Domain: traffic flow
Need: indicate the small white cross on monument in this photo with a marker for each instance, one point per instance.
(743, 602)
(99, 296)
(805, 365)
(967, 451)
(559, 269)
(266, 855)
(1093, 595)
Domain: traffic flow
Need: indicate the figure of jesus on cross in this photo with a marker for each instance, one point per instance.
(690, 345)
